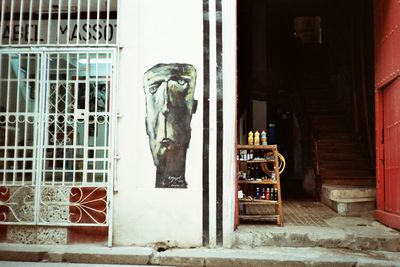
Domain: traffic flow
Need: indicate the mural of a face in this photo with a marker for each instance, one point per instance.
(169, 90)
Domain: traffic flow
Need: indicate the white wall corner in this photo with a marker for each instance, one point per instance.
(230, 92)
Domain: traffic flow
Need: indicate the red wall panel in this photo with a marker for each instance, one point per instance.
(387, 110)
(387, 41)
(391, 134)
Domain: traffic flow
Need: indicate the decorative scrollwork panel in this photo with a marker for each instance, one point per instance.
(73, 205)
(17, 204)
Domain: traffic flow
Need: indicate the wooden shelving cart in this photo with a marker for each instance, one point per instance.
(258, 167)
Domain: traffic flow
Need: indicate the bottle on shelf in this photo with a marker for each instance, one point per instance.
(276, 194)
(271, 133)
(273, 176)
(256, 138)
(250, 139)
(267, 195)
(240, 193)
(257, 193)
(263, 193)
(263, 138)
(256, 172)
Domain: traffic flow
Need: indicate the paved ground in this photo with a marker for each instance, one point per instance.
(298, 212)
(311, 213)
(312, 224)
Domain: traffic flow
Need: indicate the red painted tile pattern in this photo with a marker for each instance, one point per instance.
(4, 195)
(89, 205)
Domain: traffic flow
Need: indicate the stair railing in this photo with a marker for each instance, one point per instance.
(315, 143)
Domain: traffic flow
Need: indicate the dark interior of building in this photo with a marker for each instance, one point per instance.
(310, 64)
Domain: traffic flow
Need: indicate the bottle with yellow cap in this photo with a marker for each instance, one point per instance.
(256, 138)
(250, 140)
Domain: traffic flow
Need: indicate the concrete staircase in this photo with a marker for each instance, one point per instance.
(345, 170)
(343, 158)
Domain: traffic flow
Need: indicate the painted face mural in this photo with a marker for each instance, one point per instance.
(170, 103)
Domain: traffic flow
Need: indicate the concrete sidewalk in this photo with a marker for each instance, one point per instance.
(262, 256)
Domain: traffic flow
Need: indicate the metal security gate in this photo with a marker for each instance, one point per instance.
(57, 82)
(56, 136)
(19, 88)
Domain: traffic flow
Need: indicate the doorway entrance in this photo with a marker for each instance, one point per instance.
(305, 76)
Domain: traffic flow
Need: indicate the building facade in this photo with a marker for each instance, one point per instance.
(119, 118)
(117, 122)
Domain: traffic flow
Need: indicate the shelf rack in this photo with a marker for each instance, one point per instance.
(249, 183)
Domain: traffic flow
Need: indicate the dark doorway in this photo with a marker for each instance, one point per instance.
(305, 74)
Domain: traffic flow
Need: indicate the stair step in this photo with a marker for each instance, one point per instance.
(322, 103)
(337, 120)
(348, 164)
(332, 131)
(345, 167)
(322, 109)
(319, 92)
(357, 151)
(276, 256)
(336, 115)
(345, 173)
(349, 200)
(322, 87)
(353, 180)
(349, 192)
(339, 140)
(346, 176)
(339, 145)
(329, 137)
(342, 154)
(342, 236)
(318, 102)
(342, 157)
(42, 255)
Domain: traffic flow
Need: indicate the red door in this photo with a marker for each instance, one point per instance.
(387, 110)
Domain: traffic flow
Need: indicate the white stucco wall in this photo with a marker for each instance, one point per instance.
(152, 32)
(160, 31)
(230, 92)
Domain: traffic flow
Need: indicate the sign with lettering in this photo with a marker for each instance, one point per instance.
(60, 32)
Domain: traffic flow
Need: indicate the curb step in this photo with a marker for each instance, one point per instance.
(204, 257)
(278, 257)
(354, 238)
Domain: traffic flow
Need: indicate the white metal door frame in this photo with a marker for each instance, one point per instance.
(10, 123)
(42, 116)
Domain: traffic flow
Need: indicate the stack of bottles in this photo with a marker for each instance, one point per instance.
(257, 139)
(267, 194)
